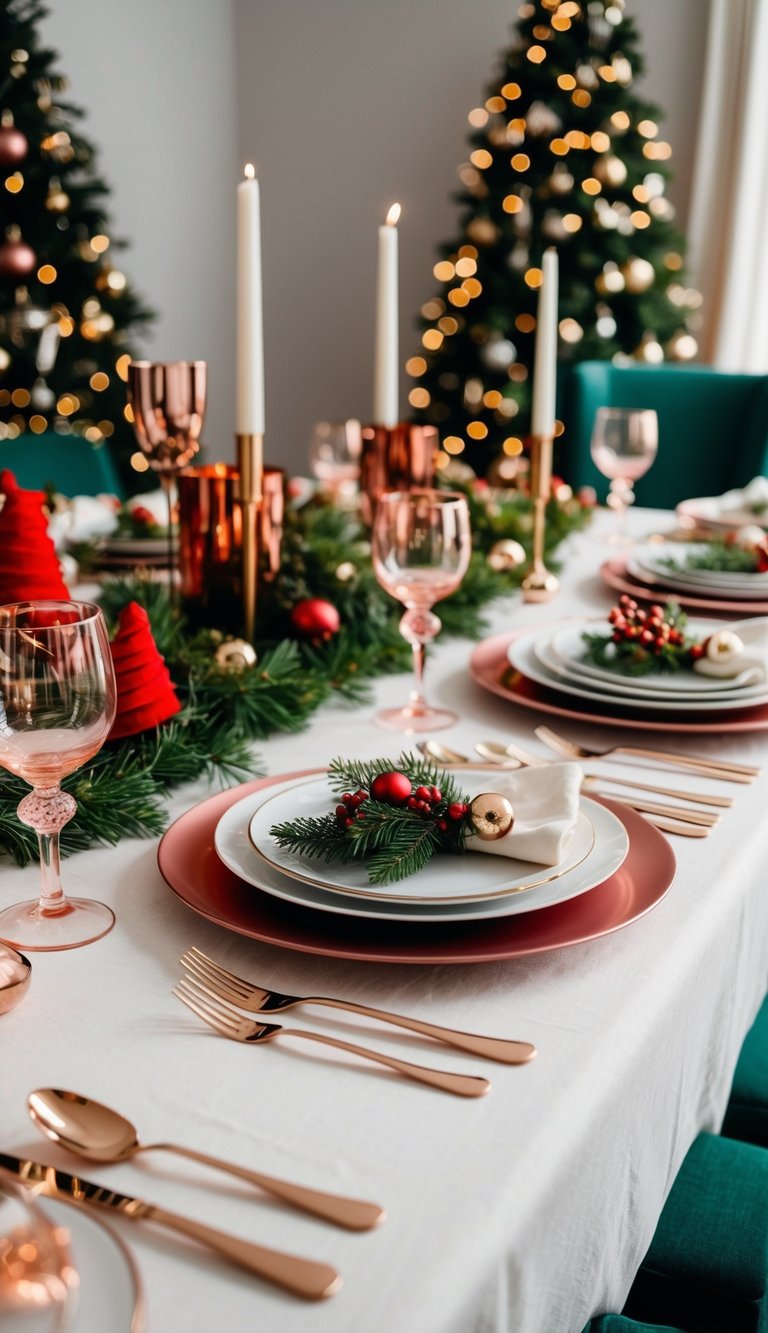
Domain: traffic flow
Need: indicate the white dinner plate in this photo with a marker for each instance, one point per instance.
(523, 658)
(443, 880)
(649, 561)
(109, 1295)
(562, 648)
(234, 848)
(638, 689)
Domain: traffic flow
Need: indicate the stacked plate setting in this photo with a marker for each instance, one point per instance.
(665, 566)
(473, 887)
(554, 657)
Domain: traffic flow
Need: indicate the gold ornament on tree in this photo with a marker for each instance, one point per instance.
(491, 815)
(610, 170)
(639, 274)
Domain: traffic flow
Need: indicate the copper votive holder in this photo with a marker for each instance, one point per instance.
(395, 458)
(211, 537)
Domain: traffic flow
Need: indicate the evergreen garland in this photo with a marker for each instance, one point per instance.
(326, 553)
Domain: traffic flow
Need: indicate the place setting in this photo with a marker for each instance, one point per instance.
(715, 560)
(638, 668)
(278, 860)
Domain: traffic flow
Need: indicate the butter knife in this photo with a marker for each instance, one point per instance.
(302, 1277)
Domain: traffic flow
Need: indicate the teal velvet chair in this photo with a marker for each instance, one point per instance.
(707, 1267)
(713, 426)
(747, 1114)
(68, 463)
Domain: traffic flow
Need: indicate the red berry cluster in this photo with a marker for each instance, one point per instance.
(423, 799)
(650, 629)
(349, 808)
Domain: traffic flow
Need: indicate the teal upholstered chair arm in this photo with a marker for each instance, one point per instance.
(67, 462)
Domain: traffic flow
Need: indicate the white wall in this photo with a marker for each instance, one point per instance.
(156, 79)
(345, 105)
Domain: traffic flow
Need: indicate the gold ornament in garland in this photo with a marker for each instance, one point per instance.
(505, 555)
(235, 655)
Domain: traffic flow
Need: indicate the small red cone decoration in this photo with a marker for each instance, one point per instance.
(29, 566)
(145, 693)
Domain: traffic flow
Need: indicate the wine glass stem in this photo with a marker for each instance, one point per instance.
(418, 627)
(47, 810)
(419, 657)
(166, 481)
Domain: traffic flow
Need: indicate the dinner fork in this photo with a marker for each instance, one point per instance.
(224, 1019)
(256, 1000)
(710, 768)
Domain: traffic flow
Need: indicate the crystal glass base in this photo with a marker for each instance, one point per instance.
(83, 920)
(412, 720)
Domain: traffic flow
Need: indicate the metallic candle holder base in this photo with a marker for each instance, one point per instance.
(250, 458)
(395, 458)
(211, 541)
(540, 584)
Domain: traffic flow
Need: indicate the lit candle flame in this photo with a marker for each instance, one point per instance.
(393, 215)
(249, 171)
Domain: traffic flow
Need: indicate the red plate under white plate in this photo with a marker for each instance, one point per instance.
(616, 575)
(489, 666)
(189, 865)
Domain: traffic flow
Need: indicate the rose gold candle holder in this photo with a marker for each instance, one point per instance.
(211, 540)
(540, 584)
(395, 458)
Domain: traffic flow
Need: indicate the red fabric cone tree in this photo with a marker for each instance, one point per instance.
(29, 566)
(145, 693)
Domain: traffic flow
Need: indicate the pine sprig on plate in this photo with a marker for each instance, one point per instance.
(722, 556)
(393, 819)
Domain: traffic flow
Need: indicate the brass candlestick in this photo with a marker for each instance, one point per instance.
(250, 457)
(540, 584)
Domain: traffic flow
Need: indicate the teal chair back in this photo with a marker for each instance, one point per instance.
(67, 462)
(713, 427)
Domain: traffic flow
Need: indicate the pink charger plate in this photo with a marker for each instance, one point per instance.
(190, 867)
(615, 574)
(489, 667)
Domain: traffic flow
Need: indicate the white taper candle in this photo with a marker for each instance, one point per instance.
(545, 358)
(250, 324)
(386, 370)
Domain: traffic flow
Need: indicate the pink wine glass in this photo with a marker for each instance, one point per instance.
(625, 441)
(57, 704)
(421, 547)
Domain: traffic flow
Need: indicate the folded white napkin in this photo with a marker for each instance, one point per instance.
(753, 660)
(545, 801)
(82, 518)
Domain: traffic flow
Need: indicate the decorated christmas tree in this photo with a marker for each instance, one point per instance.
(563, 153)
(66, 309)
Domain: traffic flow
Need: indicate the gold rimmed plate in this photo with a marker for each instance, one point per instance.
(448, 885)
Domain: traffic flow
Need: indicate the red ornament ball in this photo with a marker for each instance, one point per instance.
(14, 146)
(392, 788)
(315, 618)
(17, 259)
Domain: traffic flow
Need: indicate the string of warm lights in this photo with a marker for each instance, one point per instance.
(562, 153)
(66, 307)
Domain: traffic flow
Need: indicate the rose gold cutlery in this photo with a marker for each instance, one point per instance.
(302, 1277)
(226, 1020)
(704, 767)
(515, 754)
(254, 1000)
(90, 1130)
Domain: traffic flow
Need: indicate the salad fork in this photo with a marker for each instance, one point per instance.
(256, 1000)
(224, 1019)
(710, 768)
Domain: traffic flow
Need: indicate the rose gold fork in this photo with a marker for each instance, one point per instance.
(224, 1019)
(255, 1000)
(708, 768)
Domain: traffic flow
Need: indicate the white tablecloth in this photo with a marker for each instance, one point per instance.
(528, 1210)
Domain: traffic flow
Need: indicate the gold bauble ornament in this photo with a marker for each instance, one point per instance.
(505, 555)
(57, 201)
(610, 170)
(235, 655)
(639, 274)
(491, 815)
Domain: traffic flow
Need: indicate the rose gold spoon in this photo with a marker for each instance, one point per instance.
(91, 1130)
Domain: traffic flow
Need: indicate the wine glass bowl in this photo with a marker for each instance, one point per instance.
(335, 449)
(421, 546)
(57, 704)
(624, 444)
(38, 1281)
(168, 403)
